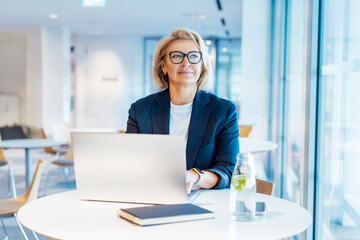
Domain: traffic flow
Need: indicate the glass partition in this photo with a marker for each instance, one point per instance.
(295, 98)
(338, 193)
(228, 70)
(149, 49)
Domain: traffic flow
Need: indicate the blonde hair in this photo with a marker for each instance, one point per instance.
(205, 81)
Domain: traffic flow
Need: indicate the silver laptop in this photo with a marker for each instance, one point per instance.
(140, 168)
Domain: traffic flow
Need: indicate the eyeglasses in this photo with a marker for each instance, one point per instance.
(177, 57)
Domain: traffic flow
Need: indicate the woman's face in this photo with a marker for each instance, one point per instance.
(184, 73)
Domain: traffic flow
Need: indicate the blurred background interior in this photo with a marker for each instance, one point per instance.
(292, 67)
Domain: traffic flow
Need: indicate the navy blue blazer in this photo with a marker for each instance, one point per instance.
(213, 141)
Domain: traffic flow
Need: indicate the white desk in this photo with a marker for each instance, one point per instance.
(63, 216)
(254, 145)
(28, 144)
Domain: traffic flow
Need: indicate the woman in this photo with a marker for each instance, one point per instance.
(182, 71)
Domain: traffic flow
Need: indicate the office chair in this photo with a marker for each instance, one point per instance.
(50, 150)
(11, 181)
(264, 187)
(58, 159)
(9, 207)
(65, 162)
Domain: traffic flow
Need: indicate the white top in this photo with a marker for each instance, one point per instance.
(180, 119)
(63, 216)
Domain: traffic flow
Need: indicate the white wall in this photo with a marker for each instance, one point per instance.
(33, 87)
(255, 45)
(12, 73)
(38, 74)
(9, 109)
(23, 76)
(36, 64)
(109, 72)
(55, 55)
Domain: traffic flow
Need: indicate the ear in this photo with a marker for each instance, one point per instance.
(163, 68)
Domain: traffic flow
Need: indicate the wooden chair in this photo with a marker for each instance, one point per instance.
(5, 162)
(264, 187)
(50, 150)
(9, 207)
(244, 131)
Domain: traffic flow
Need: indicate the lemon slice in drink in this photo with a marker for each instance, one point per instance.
(238, 183)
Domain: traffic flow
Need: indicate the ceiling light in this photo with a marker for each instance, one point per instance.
(93, 3)
(53, 16)
(201, 16)
(224, 49)
(208, 42)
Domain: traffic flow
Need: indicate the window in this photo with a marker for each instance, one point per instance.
(338, 193)
(228, 70)
(295, 98)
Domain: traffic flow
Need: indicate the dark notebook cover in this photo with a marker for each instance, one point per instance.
(161, 214)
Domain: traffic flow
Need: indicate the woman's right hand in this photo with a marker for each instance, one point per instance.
(191, 179)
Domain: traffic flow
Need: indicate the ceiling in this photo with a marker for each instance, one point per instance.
(150, 18)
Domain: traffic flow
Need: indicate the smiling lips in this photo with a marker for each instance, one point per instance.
(185, 72)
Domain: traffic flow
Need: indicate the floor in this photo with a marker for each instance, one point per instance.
(56, 183)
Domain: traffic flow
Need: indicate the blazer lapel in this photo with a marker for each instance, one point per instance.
(160, 113)
(198, 123)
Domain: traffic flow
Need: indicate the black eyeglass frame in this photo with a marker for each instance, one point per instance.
(187, 55)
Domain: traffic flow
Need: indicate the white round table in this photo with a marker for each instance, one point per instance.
(101, 130)
(28, 144)
(64, 216)
(253, 145)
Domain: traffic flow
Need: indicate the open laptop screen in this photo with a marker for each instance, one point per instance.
(141, 168)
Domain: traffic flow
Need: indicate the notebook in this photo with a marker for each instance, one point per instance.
(136, 168)
(161, 214)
